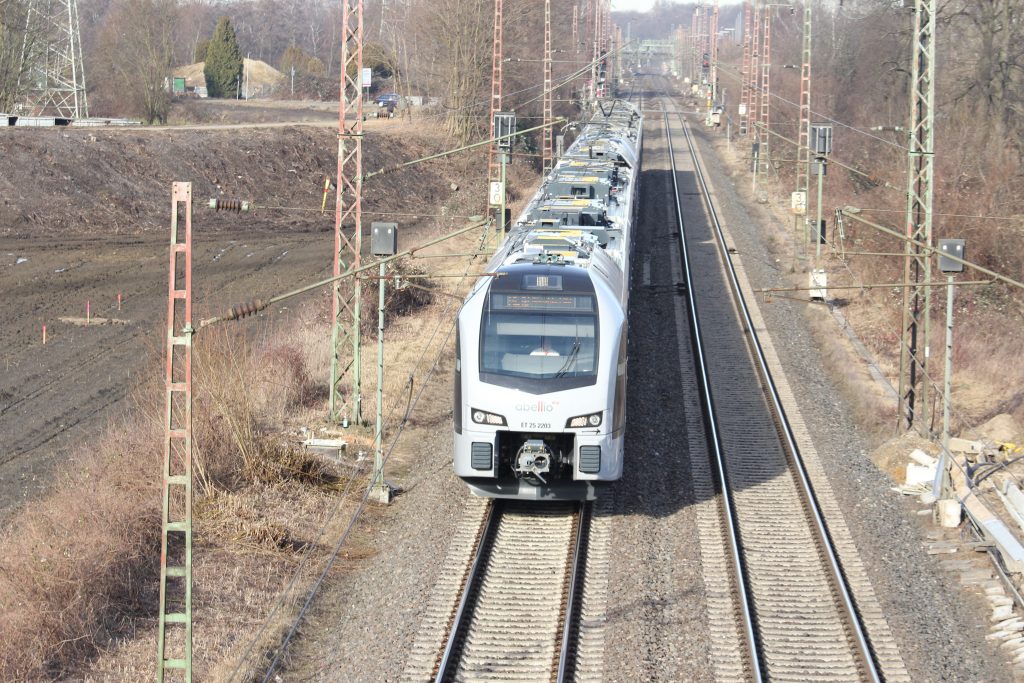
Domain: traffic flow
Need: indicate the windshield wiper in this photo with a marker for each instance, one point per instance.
(569, 359)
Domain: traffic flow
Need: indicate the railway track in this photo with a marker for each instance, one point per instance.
(797, 618)
(518, 614)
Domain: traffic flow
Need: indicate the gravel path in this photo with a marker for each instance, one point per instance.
(657, 624)
(365, 621)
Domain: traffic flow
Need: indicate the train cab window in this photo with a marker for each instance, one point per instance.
(539, 342)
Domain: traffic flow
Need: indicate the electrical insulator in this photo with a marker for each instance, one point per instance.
(236, 205)
(239, 311)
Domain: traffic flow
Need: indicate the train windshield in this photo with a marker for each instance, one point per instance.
(539, 342)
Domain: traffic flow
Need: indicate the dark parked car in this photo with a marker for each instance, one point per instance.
(389, 99)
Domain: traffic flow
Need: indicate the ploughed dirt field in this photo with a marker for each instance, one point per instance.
(84, 216)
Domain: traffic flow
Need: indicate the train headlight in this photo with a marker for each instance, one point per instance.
(592, 420)
(482, 417)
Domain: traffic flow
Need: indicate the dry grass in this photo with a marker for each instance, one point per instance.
(78, 568)
(988, 375)
(241, 392)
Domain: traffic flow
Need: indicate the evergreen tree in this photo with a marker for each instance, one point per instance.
(201, 47)
(223, 68)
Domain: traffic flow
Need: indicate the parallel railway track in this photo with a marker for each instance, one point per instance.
(797, 615)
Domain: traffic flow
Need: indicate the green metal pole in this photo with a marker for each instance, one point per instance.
(357, 347)
(333, 409)
(948, 382)
(504, 195)
(378, 453)
(817, 225)
(756, 162)
(945, 485)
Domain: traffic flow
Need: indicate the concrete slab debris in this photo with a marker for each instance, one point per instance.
(331, 448)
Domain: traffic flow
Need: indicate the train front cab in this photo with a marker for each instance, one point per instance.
(538, 415)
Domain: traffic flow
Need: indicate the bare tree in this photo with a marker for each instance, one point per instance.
(458, 34)
(988, 61)
(136, 53)
(17, 47)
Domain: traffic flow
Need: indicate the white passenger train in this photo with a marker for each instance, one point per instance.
(540, 374)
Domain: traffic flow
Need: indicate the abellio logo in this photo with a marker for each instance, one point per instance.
(538, 407)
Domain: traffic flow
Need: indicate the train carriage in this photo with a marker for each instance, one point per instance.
(540, 379)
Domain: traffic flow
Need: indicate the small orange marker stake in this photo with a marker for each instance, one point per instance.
(44, 335)
(327, 188)
(119, 301)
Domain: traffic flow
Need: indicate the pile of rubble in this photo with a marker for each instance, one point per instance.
(978, 479)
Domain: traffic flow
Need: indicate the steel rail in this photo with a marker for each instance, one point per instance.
(448, 663)
(715, 441)
(864, 651)
(460, 623)
(574, 595)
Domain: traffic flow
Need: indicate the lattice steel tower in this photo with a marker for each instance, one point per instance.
(55, 84)
(713, 42)
(917, 261)
(754, 92)
(803, 165)
(348, 221)
(547, 139)
(745, 70)
(766, 88)
(695, 25)
(497, 57)
(595, 48)
(576, 29)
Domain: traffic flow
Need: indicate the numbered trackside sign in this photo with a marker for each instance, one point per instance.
(497, 193)
(799, 203)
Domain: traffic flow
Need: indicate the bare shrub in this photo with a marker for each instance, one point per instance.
(412, 294)
(80, 567)
(232, 402)
(988, 379)
(291, 377)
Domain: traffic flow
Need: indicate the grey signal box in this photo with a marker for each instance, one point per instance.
(821, 140)
(383, 239)
(504, 127)
(953, 248)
